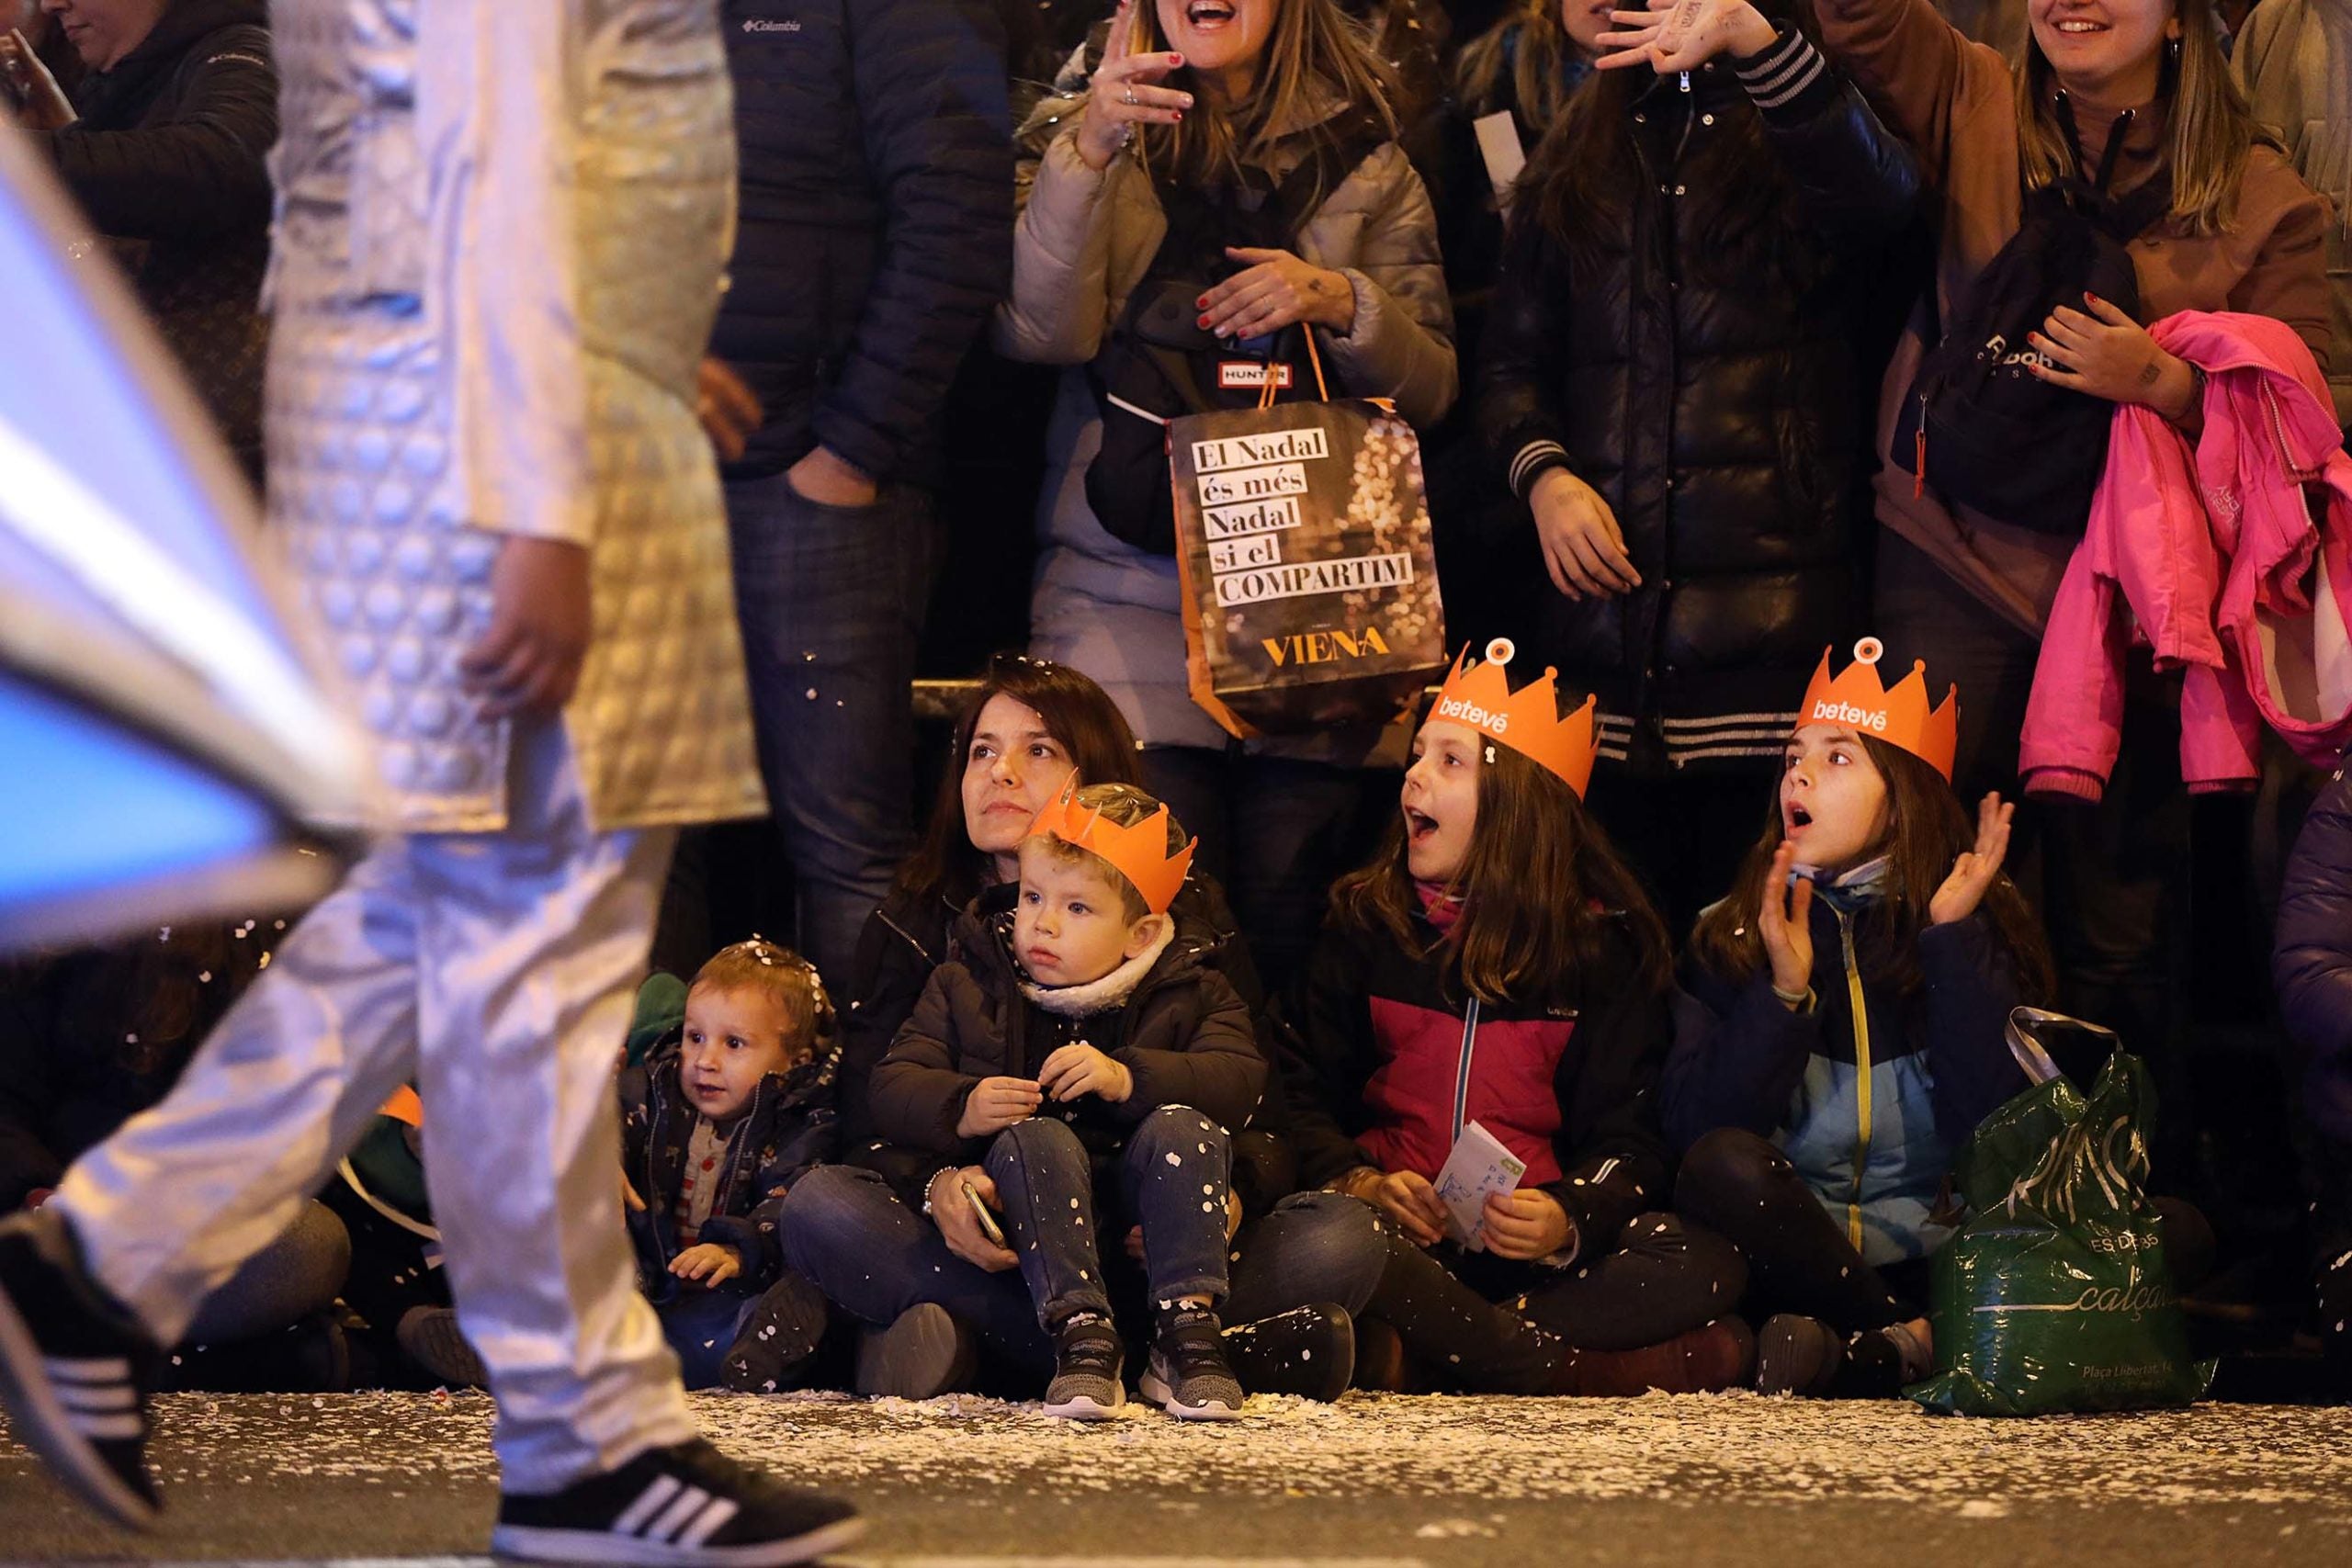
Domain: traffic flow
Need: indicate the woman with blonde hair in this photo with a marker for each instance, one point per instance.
(1970, 593)
(1235, 164)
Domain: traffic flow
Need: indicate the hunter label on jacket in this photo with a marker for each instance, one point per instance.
(1310, 583)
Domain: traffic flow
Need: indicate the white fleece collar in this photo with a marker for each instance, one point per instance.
(1110, 991)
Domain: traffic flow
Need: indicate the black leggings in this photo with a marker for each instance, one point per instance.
(1798, 1261)
(1474, 1320)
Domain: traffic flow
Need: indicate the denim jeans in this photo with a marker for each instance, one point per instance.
(845, 1229)
(1171, 1180)
(875, 1257)
(831, 602)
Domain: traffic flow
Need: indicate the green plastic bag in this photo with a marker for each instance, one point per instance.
(2054, 1295)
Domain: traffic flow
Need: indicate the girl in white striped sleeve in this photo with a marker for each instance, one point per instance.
(1673, 388)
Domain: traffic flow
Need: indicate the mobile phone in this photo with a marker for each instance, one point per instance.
(985, 1215)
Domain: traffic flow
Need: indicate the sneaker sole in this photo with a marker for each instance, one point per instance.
(539, 1544)
(1160, 1393)
(1085, 1409)
(40, 1422)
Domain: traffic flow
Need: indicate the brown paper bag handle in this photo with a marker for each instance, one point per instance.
(1315, 358)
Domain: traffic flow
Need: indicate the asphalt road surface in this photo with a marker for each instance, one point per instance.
(1374, 1482)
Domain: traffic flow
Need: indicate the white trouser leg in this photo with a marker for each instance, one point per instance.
(531, 944)
(169, 1206)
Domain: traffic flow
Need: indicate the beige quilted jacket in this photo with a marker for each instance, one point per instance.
(492, 288)
(1084, 240)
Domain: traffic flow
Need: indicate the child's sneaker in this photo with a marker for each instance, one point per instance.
(1087, 1364)
(76, 1370)
(1187, 1375)
(1309, 1351)
(688, 1507)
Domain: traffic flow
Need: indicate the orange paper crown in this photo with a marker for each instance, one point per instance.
(1139, 853)
(1899, 717)
(1527, 720)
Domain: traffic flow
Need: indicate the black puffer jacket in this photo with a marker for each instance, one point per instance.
(166, 161)
(909, 936)
(1721, 410)
(876, 141)
(1182, 1031)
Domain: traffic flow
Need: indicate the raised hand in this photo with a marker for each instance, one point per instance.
(1684, 35)
(1124, 92)
(1584, 549)
(1784, 920)
(26, 84)
(1976, 870)
(995, 1104)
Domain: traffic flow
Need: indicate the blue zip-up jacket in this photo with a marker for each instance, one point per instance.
(1868, 1095)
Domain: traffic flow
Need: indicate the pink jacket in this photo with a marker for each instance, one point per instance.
(2238, 573)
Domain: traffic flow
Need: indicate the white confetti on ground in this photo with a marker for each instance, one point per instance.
(1693, 1450)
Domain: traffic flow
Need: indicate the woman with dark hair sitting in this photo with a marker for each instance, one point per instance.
(1031, 727)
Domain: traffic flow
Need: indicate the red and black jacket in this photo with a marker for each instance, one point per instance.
(1384, 1059)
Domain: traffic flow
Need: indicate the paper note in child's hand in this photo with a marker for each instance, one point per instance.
(1478, 1168)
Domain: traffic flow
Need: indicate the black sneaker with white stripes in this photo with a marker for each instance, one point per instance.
(75, 1370)
(688, 1507)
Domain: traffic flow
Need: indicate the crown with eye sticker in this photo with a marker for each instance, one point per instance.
(1138, 853)
(1897, 715)
(1527, 720)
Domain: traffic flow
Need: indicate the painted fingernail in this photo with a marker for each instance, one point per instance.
(1175, 60)
(1204, 320)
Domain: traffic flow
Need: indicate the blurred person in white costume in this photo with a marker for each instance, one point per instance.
(500, 235)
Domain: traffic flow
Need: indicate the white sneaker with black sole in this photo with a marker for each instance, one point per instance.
(75, 1371)
(688, 1507)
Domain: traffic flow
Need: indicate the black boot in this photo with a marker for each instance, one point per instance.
(1309, 1352)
